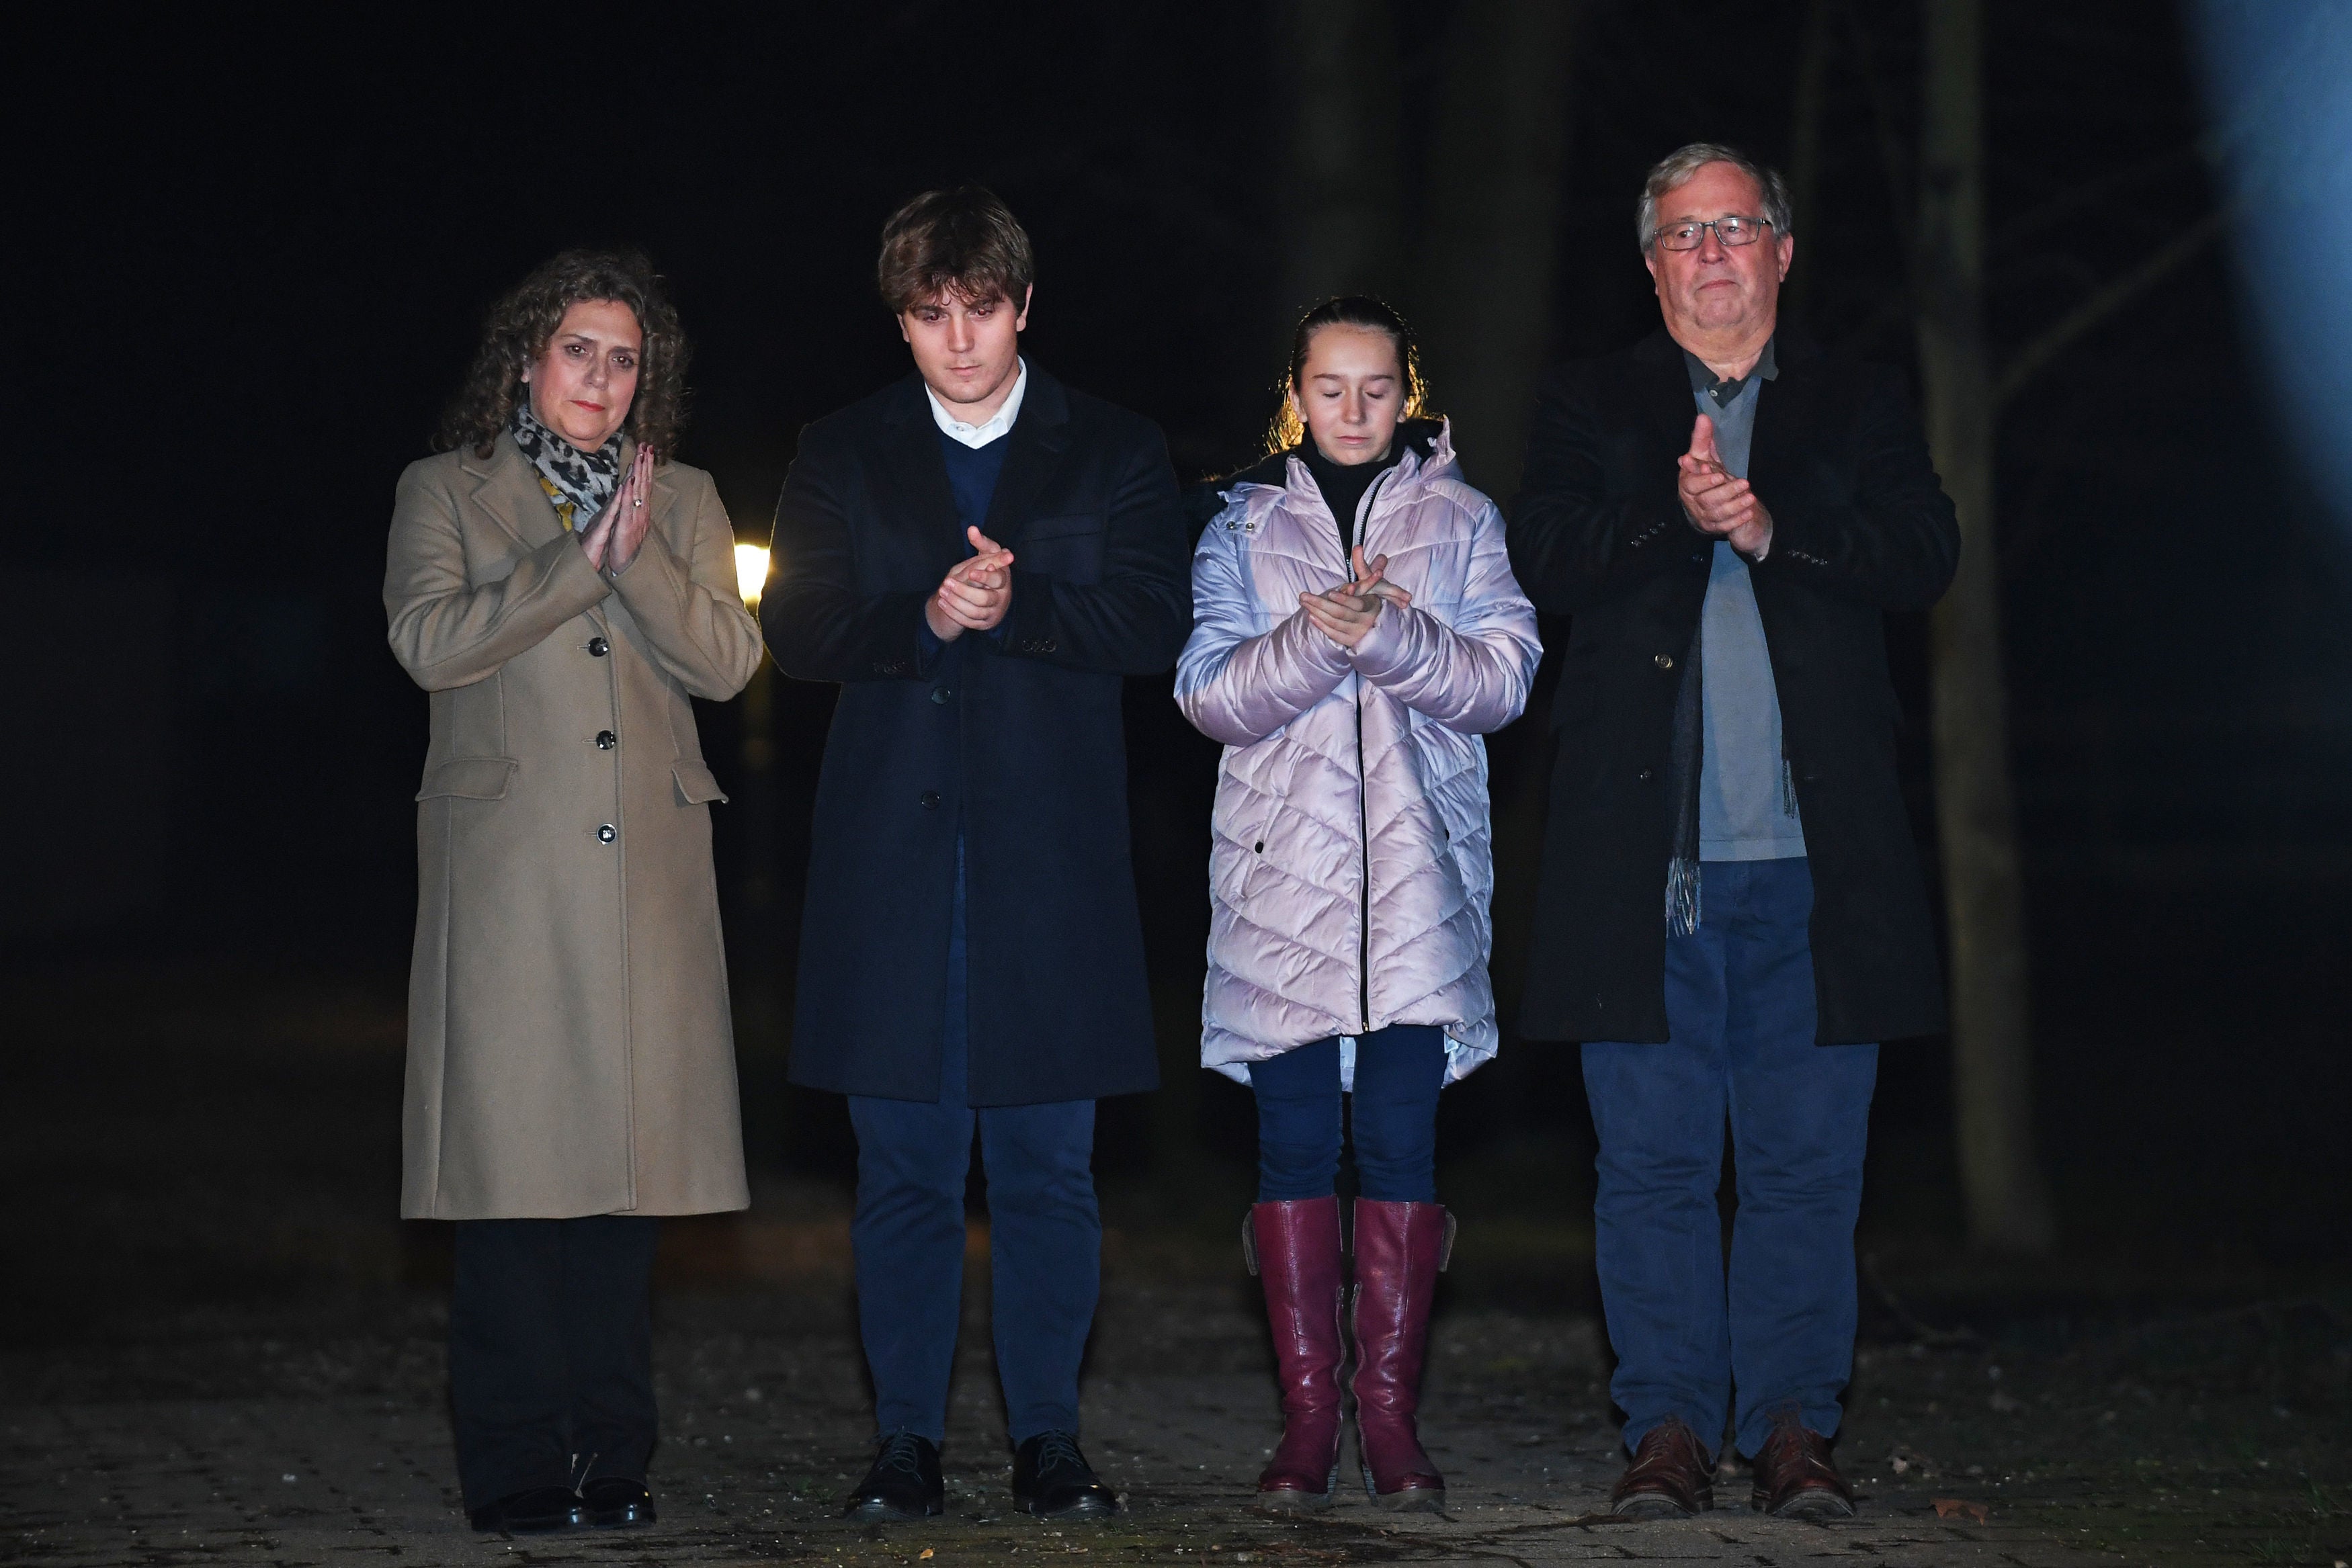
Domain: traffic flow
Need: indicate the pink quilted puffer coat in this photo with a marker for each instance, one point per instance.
(1351, 863)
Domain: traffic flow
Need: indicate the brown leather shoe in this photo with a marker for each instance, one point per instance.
(1670, 1477)
(1794, 1477)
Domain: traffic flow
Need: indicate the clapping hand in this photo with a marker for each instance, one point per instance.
(613, 537)
(1716, 503)
(1346, 614)
(975, 594)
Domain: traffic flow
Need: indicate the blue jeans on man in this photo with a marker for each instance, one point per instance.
(1741, 1014)
(1045, 1247)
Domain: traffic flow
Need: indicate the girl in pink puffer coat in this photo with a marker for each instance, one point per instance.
(1357, 629)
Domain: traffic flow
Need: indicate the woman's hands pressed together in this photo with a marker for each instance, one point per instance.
(611, 540)
(1347, 614)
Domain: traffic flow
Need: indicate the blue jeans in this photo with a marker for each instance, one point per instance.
(1044, 1239)
(1741, 1015)
(1399, 1071)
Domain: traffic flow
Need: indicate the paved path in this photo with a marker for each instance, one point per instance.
(288, 1439)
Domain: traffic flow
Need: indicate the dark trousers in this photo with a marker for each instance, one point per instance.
(1393, 1113)
(550, 1351)
(1740, 1009)
(1044, 1239)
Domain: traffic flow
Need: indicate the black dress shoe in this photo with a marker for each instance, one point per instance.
(616, 1500)
(1053, 1480)
(903, 1484)
(528, 1512)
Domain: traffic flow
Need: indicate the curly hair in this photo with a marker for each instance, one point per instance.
(1347, 310)
(518, 329)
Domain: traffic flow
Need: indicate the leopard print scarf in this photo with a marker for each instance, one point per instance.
(578, 482)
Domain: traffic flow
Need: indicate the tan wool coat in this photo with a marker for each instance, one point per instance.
(570, 1050)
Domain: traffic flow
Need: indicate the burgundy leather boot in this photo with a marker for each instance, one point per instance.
(1294, 1250)
(1400, 1248)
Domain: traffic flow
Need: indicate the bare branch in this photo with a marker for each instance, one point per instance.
(2031, 360)
(2067, 202)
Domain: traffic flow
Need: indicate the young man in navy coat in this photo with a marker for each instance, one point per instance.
(978, 555)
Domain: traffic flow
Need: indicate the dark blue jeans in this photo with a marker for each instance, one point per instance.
(1044, 1239)
(1740, 1009)
(1399, 1071)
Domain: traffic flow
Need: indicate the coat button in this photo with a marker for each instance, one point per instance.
(1664, 661)
(598, 647)
(940, 694)
(930, 801)
(606, 740)
(1259, 848)
(1646, 775)
(607, 833)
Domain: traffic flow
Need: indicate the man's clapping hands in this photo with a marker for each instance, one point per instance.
(974, 595)
(1715, 502)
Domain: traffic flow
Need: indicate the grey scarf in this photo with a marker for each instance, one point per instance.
(1685, 765)
(578, 482)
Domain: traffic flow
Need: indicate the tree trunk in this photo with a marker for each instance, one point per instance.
(1334, 195)
(1340, 214)
(1992, 1061)
(1483, 304)
(1484, 289)
(1807, 103)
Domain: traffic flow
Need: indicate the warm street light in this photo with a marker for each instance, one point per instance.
(750, 572)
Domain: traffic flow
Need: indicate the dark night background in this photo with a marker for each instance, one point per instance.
(249, 270)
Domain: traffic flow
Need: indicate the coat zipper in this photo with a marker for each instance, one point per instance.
(1363, 801)
(1363, 807)
(1364, 833)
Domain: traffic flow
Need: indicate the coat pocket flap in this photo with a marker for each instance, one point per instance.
(470, 779)
(1061, 528)
(697, 786)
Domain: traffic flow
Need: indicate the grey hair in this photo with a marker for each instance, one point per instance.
(1671, 172)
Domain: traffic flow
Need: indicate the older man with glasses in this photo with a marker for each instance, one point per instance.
(1731, 914)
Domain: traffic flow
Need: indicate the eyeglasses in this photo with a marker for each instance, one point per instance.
(1734, 230)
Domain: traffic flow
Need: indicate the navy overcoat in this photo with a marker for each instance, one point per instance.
(1016, 736)
(1861, 527)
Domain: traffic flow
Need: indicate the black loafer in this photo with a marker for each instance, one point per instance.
(614, 1502)
(528, 1512)
(1052, 1479)
(903, 1484)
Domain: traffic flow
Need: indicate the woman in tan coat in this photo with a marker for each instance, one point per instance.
(561, 589)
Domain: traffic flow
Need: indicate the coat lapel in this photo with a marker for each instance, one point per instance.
(1784, 412)
(1039, 437)
(1666, 392)
(506, 487)
(911, 482)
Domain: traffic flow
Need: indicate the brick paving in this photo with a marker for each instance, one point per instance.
(217, 1346)
(332, 1448)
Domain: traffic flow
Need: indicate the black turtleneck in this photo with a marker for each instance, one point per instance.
(1343, 483)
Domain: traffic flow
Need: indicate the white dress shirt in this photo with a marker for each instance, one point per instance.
(979, 435)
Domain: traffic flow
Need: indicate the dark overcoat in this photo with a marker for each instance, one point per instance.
(1017, 737)
(1861, 527)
